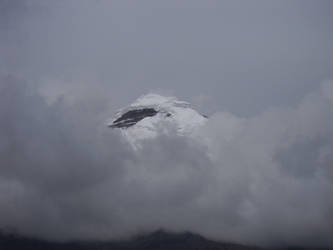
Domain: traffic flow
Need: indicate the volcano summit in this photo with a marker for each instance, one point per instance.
(151, 114)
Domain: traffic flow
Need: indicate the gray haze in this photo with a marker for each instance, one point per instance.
(260, 69)
(239, 56)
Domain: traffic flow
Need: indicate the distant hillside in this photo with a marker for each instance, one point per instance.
(159, 240)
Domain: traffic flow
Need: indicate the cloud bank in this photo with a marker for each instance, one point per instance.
(260, 173)
(265, 179)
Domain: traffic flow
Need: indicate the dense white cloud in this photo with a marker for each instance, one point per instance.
(259, 173)
(265, 179)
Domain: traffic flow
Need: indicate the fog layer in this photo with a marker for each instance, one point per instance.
(266, 179)
(260, 171)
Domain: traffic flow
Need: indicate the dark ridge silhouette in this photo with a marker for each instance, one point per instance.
(159, 240)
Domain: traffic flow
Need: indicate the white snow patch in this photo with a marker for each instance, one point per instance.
(172, 113)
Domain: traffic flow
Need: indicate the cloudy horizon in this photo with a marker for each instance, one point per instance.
(262, 171)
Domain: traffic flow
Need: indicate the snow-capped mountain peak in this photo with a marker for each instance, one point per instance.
(144, 118)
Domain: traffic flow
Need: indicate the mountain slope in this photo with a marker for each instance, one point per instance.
(152, 114)
(159, 240)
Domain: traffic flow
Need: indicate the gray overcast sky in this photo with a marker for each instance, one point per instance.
(238, 56)
(254, 174)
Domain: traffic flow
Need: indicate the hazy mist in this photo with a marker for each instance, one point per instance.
(262, 169)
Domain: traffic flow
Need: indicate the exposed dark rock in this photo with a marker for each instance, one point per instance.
(132, 117)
